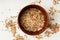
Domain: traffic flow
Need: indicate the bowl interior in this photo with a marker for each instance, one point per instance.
(46, 19)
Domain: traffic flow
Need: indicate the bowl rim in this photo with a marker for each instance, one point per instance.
(46, 18)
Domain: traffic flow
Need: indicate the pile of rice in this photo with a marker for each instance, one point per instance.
(32, 19)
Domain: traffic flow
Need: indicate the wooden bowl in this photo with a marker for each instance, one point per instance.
(46, 19)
